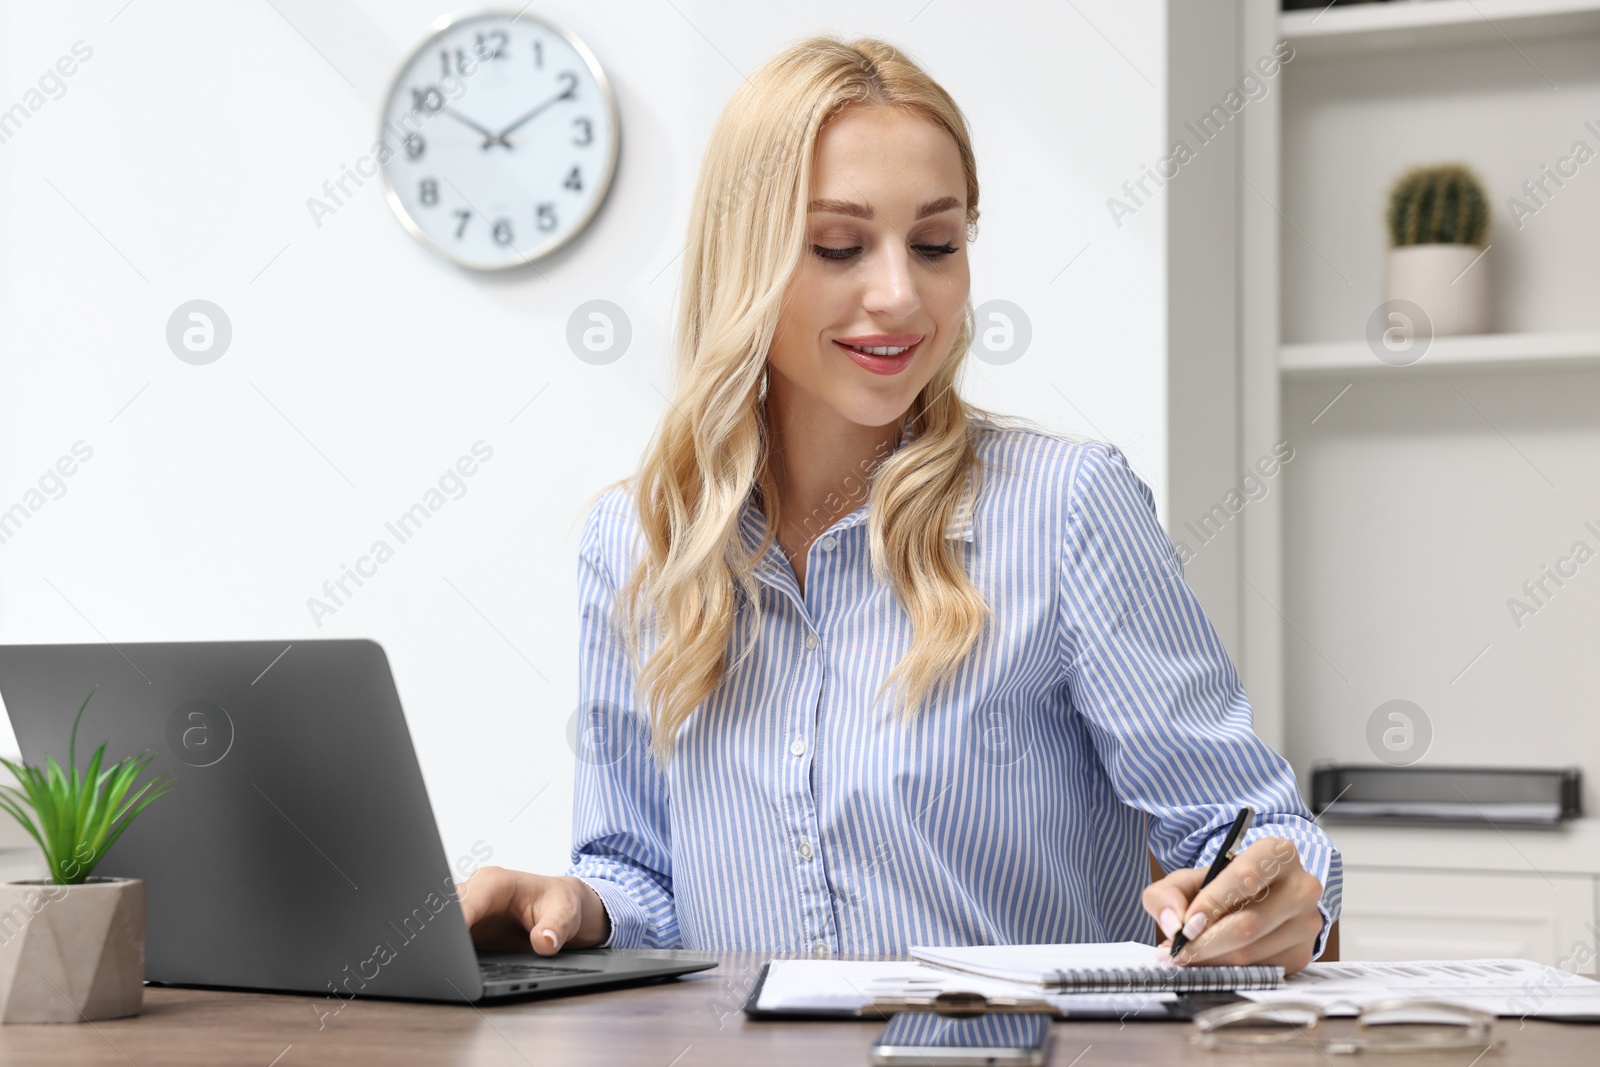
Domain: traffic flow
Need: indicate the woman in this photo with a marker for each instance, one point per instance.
(821, 517)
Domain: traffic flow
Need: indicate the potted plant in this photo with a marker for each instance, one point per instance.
(72, 946)
(1438, 221)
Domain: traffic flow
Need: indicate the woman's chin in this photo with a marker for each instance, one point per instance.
(876, 415)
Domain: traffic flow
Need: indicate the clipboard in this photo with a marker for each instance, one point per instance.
(971, 1005)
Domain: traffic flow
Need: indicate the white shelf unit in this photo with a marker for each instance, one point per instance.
(1469, 893)
(1422, 24)
(1489, 351)
(1422, 498)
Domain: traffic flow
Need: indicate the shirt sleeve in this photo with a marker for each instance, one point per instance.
(1164, 706)
(621, 843)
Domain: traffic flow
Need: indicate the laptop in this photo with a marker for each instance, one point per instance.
(297, 851)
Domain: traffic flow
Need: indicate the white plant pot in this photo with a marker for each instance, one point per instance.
(1437, 279)
(71, 953)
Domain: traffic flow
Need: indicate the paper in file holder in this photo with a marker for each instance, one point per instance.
(1447, 794)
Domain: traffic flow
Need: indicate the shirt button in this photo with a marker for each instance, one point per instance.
(798, 747)
(811, 641)
(805, 849)
(820, 949)
(830, 543)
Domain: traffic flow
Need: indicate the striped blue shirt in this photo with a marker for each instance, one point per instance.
(1103, 719)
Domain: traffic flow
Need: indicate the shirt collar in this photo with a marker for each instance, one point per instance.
(959, 528)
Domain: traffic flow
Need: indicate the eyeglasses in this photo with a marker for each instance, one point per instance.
(1384, 1026)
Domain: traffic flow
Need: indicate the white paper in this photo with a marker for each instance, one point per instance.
(1516, 988)
(1033, 963)
(846, 985)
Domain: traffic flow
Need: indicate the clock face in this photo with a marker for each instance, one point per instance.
(501, 135)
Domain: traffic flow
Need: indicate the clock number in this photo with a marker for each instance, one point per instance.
(538, 54)
(496, 50)
(415, 146)
(574, 181)
(546, 217)
(588, 131)
(461, 63)
(429, 100)
(502, 231)
(571, 91)
(483, 49)
(465, 217)
(428, 192)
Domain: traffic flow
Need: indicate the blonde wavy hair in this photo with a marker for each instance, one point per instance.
(747, 234)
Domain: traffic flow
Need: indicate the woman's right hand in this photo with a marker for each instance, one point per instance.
(514, 910)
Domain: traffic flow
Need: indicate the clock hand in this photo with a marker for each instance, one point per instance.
(489, 136)
(567, 95)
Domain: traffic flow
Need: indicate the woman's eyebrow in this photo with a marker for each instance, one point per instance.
(864, 211)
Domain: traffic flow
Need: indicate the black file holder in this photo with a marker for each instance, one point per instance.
(966, 1005)
(1469, 795)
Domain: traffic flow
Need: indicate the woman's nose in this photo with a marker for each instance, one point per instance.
(892, 287)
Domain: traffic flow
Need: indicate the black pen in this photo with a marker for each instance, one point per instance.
(1224, 855)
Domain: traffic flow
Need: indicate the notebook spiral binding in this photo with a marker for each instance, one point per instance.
(1165, 979)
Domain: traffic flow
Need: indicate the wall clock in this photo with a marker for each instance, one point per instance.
(502, 138)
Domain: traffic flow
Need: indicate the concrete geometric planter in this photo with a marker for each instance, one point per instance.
(71, 953)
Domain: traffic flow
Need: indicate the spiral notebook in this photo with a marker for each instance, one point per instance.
(1126, 967)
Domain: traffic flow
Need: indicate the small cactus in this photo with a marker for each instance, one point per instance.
(1441, 204)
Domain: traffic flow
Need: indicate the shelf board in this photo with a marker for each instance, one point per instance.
(1488, 351)
(1362, 29)
(1570, 848)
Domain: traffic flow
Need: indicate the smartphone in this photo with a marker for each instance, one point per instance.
(924, 1038)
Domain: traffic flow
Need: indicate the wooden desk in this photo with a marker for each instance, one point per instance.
(687, 1022)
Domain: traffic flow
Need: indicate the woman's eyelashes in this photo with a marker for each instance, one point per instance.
(929, 252)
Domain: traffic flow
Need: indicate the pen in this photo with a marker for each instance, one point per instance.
(1224, 855)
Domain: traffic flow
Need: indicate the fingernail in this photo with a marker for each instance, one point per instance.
(550, 936)
(1164, 957)
(1169, 921)
(1192, 928)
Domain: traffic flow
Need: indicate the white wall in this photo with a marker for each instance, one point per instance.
(177, 165)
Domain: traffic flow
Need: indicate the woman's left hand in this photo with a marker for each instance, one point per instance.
(1261, 909)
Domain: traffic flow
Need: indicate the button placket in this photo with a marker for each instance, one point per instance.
(814, 905)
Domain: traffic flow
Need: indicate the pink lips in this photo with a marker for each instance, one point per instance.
(882, 364)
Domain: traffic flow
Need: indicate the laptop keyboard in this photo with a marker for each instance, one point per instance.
(501, 972)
